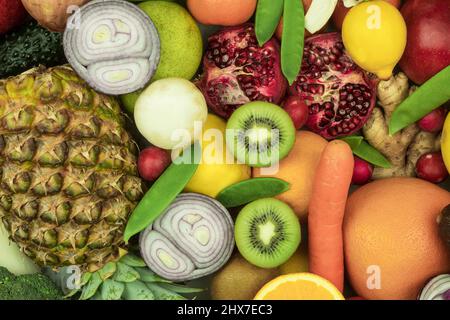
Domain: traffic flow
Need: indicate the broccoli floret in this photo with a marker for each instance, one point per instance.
(27, 287)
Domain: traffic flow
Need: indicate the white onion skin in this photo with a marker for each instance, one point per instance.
(192, 259)
(51, 14)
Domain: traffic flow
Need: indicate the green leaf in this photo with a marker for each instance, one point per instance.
(163, 293)
(366, 152)
(108, 270)
(137, 290)
(179, 288)
(147, 275)
(112, 290)
(293, 40)
(353, 141)
(133, 261)
(90, 289)
(428, 97)
(268, 15)
(125, 273)
(163, 192)
(252, 189)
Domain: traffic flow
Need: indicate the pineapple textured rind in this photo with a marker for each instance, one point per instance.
(69, 178)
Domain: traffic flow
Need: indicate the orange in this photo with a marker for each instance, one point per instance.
(222, 12)
(299, 169)
(391, 240)
(299, 286)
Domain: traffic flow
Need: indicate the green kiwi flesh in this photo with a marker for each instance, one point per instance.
(260, 134)
(267, 232)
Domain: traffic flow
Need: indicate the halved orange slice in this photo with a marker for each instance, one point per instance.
(299, 286)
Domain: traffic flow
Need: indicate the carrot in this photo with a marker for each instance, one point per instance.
(326, 212)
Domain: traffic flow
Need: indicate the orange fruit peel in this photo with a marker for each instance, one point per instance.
(299, 286)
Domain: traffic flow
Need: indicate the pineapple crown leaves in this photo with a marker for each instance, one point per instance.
(128, 279)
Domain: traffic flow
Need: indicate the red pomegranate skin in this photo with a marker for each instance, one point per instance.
(428, 46)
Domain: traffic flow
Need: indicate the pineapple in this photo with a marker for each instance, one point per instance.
(69, 179)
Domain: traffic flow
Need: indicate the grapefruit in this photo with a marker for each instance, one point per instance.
(391, 239)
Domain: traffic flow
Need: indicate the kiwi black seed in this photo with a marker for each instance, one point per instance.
(267, 232)
(260, 134)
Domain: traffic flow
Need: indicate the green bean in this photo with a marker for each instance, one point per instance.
(366, 152)
(293, 40)
(252, 189)
(268, 15)
(162, 193)
(112, 290)
(431, 95)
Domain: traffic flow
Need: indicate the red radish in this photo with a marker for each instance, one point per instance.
(152, 162)
(428, 48)
(341, 11)
(12, 14)
(434, 121)
(236, 70)
(297, 109)
(339, 94)
(431, 167)
(326, 212)
(362, 172)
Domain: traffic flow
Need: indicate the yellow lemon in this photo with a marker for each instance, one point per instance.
(374, 34)
(445, 143)
(215, 172)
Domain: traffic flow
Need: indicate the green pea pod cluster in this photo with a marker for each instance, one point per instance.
(128, 279)
(268, 15)
(428, 97)
(365, 151)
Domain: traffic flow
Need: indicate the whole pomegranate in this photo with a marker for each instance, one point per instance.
(236, 70)
(339, 94)
(428, 48)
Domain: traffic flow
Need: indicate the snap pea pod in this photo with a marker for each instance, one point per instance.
(162, 193)
(268, 15)
(252, 189)
(293, 39)
(366, 152)
(431, 95)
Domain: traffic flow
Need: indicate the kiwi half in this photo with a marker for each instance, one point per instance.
(260, 134)
(267, 232)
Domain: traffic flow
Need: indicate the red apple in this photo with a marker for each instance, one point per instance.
(341, 11)
(152, 162)
(428, 48)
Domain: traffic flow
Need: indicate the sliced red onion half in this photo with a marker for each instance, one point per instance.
(113, 45)
(193, 238)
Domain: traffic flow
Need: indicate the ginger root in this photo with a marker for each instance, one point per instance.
(404, 148)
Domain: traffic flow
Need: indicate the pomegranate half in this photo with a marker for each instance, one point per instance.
(236, 70)
(339, 94)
